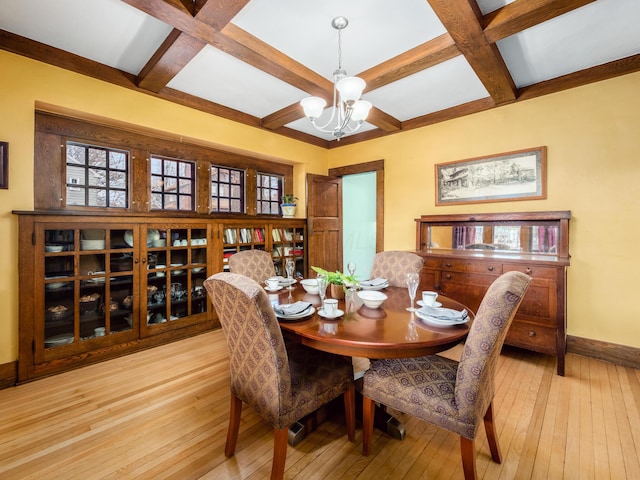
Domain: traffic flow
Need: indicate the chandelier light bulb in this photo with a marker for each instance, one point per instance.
(360, 110)
(313, 107)
(350, 89)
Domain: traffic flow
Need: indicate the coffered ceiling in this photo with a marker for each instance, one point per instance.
(252, 61)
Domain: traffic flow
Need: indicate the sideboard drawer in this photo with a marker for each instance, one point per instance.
(532, 337)
(452, 265)
(535, 271)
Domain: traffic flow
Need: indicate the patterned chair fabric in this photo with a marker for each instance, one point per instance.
(281, 383)
(453, 395)
(394, 266)
(255, 264)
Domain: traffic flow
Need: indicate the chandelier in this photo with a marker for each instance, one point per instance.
(348, 112)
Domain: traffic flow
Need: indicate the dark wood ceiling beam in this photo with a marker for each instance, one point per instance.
(383, 120)
(179, 48)
(176, 51)
(430, 53)
(283, 116)
(62, 59)
(522, 14)
(238, 43)
(616, 68)
(462, 19)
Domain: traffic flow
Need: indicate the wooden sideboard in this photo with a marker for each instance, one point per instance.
(464, 254)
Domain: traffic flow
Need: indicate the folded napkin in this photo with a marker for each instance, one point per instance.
(443, 313)
(374, 282)
(291, 308)
(280, 278)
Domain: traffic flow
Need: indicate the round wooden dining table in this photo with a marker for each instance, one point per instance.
(389, 331)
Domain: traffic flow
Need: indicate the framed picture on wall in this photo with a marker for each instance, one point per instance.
(519, 175)
(4, 165)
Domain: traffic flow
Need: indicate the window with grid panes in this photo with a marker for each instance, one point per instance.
(227, 190)
(172, 184)
(96, 176)
(269, 193)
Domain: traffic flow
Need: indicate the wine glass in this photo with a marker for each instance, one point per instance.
(322, 289)
(290, 267)
(412, 286)
(351, 267)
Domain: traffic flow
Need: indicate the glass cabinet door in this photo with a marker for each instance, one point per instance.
(89, 285)
(176, 267)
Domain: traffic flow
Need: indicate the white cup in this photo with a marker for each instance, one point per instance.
(331, 307)
(272, 283)
(99, 332)
(429, 298)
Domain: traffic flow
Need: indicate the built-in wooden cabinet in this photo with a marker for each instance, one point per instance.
(94, 287)
(464, 254)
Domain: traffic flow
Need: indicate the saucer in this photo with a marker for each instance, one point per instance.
(435, 304)
(278, 288)
(338, 313)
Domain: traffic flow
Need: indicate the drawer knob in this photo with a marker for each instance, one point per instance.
(448, 276)
(491, 269)
(528, 271)
(532, 333)
(447, 264)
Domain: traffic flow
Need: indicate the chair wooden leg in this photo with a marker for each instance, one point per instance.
(468, 459)
(368, 411)
(492, 436)
(234, 425)
(280, 439)
(350, 412)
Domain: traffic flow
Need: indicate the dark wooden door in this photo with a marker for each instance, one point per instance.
(324, 220)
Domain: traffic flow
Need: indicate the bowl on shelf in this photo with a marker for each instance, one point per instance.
(53, 248)
(310, 285)
(92, 244)
(372, 298)
(197, 269)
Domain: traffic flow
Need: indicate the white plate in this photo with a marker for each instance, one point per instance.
(380, 286)
(298, 316)
(62, 339)
(435, 304)
(273, 289)
(437, 322)
(286, 282)
(152, 235)
(338, 313)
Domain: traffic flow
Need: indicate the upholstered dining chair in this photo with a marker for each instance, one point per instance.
(394, 266)
(255, 264)
(450, 394)
(281, 383)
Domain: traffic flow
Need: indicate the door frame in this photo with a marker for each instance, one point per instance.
(376, 166)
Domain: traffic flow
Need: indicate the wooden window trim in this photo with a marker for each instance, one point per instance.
(53, 129)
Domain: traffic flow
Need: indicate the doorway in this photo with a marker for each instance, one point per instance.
(359, 222)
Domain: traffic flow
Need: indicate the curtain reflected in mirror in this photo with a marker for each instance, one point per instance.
(508, 238)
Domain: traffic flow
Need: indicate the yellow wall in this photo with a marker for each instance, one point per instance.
(24, 82)
(593, 161)
(593, 170)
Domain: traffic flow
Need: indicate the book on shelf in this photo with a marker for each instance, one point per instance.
(276, 235)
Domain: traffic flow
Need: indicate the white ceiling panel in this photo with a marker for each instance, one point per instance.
(106, 31)
(378, 30)
(221, 78)
(444, 85)
(574, 41)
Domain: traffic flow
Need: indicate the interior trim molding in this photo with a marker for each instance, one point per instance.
(8, 374)
(610, 352)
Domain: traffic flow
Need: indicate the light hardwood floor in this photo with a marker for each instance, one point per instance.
(162, 414)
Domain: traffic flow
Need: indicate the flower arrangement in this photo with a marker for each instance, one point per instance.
(337, 277)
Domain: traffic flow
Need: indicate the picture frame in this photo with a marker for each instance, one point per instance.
(4, 164)
(511, 176)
